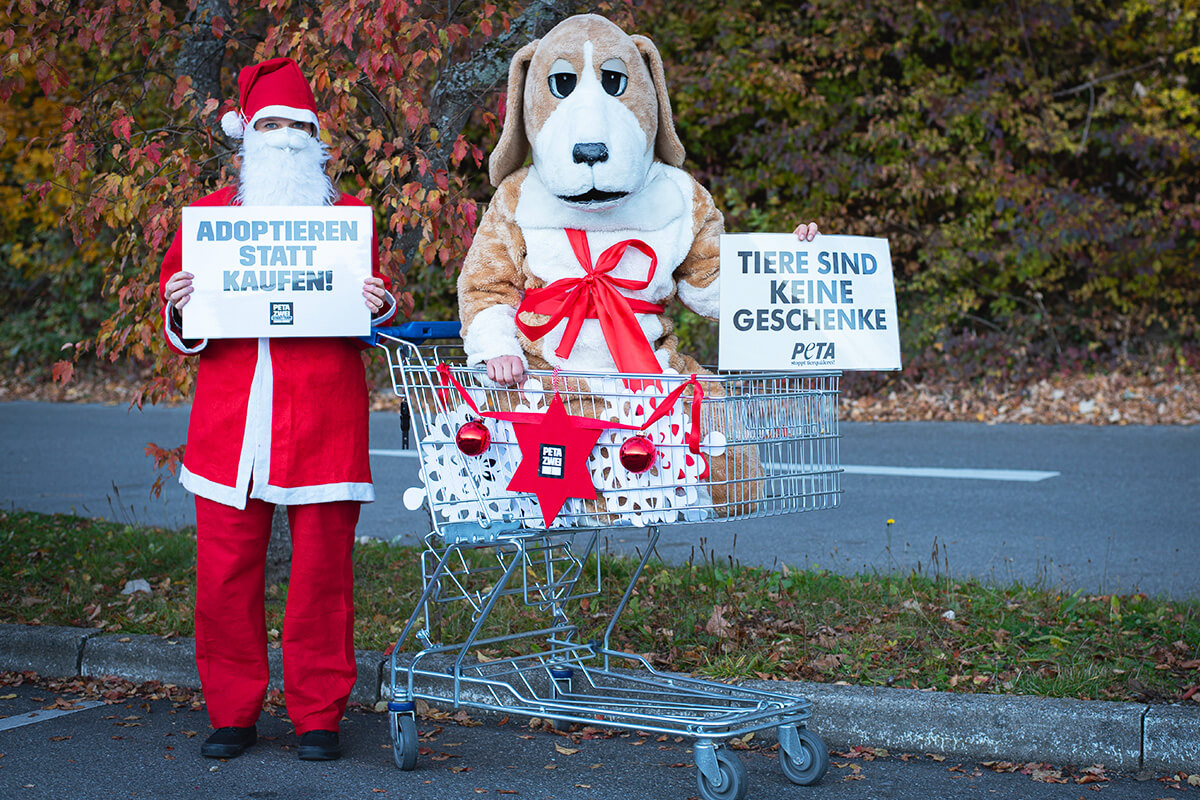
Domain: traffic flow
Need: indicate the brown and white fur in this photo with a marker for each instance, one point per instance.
(637, 192)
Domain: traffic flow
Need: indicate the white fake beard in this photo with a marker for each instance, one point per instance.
(284, 167)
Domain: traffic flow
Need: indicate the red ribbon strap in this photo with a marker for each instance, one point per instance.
(596, 296)
(692, 437)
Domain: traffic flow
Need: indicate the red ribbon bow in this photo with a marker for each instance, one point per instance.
(596, 296)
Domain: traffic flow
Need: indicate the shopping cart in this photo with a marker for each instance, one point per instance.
(711, 447)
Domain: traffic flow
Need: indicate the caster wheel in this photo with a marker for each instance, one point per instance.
(404, 741)
(733, 779)
(808, 765)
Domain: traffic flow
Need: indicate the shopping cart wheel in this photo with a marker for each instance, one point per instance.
(404, 741)
(733, 779)
(803, 755)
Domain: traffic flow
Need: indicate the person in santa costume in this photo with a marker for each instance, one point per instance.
(275, 421)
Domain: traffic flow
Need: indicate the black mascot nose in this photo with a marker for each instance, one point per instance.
(590, 153)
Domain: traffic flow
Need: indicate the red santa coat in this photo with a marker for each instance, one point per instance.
(281, 420)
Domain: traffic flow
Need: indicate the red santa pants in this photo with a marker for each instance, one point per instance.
(318, 632)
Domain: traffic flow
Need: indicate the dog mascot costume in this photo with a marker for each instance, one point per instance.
(591, 104)
(579, 253)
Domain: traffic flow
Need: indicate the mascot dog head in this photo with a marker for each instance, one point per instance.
(592, 102)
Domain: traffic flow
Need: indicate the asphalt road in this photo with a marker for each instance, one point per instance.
(1099, 509)
(150, 749)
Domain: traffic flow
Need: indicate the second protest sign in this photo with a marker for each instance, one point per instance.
(789, 304)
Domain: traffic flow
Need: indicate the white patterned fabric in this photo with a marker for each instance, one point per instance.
(671, 490)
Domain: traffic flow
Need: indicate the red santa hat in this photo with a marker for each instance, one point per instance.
(274, 88)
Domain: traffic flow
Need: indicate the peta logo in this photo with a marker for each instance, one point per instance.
(550, 461)
(812, 351)
(281, 313)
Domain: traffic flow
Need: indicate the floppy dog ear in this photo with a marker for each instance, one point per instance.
(510, 151)
(666, 144)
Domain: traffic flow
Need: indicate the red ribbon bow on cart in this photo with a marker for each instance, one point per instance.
(576, 436)
(597, 295)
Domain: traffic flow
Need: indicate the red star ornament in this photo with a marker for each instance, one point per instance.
(554, 454)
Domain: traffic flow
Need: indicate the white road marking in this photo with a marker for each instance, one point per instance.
(42, 715)
(1026, 475)
(1020, 475)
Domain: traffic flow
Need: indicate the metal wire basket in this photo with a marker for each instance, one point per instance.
(762, 444)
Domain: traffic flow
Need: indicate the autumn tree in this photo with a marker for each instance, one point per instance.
(1033, 164)
(47, 293)
(138, 88)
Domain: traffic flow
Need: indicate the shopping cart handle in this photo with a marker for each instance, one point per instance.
(418, 332)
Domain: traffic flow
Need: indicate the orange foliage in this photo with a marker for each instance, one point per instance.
(133, 139)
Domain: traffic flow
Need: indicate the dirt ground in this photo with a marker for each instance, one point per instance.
(1110, 399)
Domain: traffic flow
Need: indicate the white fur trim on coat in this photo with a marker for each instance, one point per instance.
(211, 490)
(320, 493)
(176, 336)
(279, 495)
(385, 314)
(254, 466)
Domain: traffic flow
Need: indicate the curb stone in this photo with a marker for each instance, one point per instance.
(1125, 736)
(55, 651)
(140, 658)
(44, 649)
(980, 726)
(370, 677)
(1172, 739)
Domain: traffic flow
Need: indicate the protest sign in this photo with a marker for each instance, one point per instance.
(276, 271)
(825, 304)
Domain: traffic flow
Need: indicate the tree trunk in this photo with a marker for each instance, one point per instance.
(279, 550)
(202, 53)
(463, 84)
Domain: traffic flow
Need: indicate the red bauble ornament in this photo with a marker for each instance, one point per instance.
(638, 454)
(473, 438)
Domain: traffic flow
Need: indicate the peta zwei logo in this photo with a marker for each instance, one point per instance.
(550, 461)
(281, 313)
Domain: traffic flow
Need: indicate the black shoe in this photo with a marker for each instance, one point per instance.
(228, 742)
(320, 746)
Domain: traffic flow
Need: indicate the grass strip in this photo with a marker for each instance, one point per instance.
(721, 620)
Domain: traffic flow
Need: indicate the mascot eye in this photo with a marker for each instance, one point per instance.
(562, 84)
(562, 78)
(613, 82)
(614, 77)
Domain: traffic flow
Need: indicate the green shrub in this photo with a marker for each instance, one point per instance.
(1033, 165)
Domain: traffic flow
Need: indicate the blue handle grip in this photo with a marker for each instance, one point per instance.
(419, 332)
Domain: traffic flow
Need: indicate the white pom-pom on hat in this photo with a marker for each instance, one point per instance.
(233, 125)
